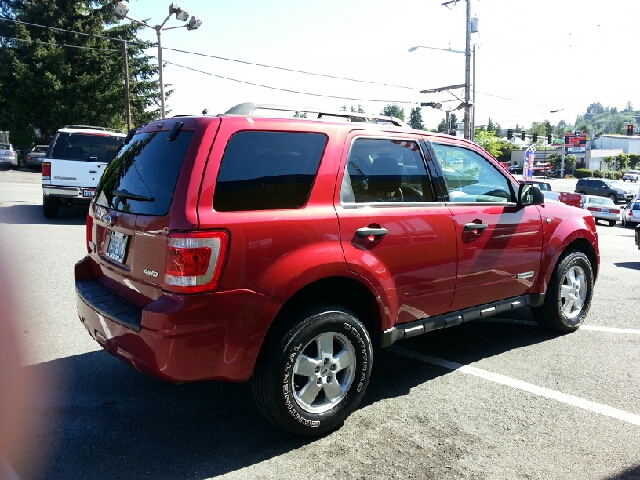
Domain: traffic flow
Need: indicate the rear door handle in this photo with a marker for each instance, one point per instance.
(366, 232)
(472, 227)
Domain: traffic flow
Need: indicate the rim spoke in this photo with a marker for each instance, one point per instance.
(565, 291)
(325, 345)
(567, 308)
(333, 391)
(306, 366)
(309, 392)
(345, 359)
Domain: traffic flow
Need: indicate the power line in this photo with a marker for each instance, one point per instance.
(92, 35)
(60, 44)
(289, 90)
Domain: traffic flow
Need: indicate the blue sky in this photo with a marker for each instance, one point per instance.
(531, 56)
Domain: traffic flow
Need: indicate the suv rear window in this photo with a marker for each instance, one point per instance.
(84, 147)
(268, 170)
(143, 175)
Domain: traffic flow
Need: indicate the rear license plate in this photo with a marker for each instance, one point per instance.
(117, 246)
(88, 193)
(604, 210)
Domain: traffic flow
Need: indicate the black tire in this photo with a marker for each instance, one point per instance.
(613, 197)
(50, 207)
(568, 297)
(612, 223)
(300, 383)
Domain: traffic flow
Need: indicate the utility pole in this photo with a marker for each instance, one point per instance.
(467, 70)
(126, 84)
(467, 76)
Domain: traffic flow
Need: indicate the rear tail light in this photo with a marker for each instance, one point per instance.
(46, 170)
(593, 209)
(89, 234)
(195, 260)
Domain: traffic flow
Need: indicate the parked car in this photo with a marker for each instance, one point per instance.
(74, 163)
(602, 208)
(570, 198)
(282, 250)
(515, 169)
(601, 187)
(35, 156)
(631, 175)
(8, 156)
(630, 213)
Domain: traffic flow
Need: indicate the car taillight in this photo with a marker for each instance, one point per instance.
(593, 209)
(46, 170)
(89, 234)
(194, 261)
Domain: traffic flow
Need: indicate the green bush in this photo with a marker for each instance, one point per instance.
(584, 172)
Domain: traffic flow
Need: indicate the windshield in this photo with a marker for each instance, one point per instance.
(84, 147)
(143, 175)
(5, 146)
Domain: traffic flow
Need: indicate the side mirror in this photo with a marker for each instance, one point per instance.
(530, 195)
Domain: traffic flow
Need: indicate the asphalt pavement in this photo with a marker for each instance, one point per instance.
(499, 399)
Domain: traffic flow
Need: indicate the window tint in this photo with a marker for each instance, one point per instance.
(470, 177)
(84, 147)
(143, 175)
(268, 170)
(383, 170)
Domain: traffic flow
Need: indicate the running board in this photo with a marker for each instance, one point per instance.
(424, 325)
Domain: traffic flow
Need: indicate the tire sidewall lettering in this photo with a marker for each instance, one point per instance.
(360, 344)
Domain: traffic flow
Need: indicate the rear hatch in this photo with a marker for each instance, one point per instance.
(128, 228)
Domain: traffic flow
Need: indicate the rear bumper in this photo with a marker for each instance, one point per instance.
(65, 192)
(213, 336)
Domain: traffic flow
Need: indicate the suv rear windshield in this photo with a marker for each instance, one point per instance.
(143, 175)
(84, 146)
(268, 170)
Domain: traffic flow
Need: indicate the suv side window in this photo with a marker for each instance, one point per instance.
(268, 170)
(385, 170)
(470, 177)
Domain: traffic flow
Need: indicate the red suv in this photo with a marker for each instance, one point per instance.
(284, 250)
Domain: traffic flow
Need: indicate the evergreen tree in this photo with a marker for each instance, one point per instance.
(58, 77)
(393, 111)
(415, 118)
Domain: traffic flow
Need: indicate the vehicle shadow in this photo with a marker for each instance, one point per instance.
(631, 265)
(29, 214)
(104, 420)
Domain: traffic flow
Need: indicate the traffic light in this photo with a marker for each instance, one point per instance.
(509, 134)
(549, 139)
(535, 137)
(523, 135)
(629, 129)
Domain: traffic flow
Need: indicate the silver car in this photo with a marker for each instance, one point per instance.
(35, 156)
(630, 214)
(8, 156)
(602, 208)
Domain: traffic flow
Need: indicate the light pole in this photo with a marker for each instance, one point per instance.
(121, 9)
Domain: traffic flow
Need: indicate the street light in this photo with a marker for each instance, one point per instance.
(467, 104)
(121, 10)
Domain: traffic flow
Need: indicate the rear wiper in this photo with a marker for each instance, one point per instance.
(125, 194)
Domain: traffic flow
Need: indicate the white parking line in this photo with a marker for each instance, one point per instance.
(527, 387)
(610, 329)
(632, 331)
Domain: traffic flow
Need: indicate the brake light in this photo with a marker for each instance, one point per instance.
(89, 234)
(46, 170)
(593, 209)
(194, 261)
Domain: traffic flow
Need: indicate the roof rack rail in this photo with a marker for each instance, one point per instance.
(93, 127)
(244, 109)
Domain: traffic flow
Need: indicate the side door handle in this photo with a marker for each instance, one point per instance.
(472, 227)
(366, 232)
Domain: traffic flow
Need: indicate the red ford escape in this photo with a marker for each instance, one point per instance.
(281, 251)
